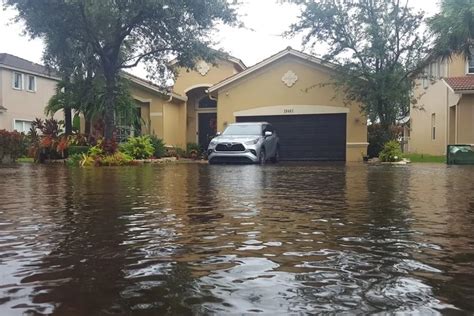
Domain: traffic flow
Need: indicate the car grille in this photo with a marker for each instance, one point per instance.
(230, 147)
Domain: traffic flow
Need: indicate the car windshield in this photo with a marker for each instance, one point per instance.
(245, 129)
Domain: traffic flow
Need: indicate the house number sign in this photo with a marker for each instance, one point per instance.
(286, 111)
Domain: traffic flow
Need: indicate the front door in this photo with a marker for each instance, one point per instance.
(207, 128)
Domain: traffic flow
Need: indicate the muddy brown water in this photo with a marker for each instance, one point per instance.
(198, 239)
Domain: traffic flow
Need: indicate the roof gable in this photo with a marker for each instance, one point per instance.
(152, 87)
(285, 53)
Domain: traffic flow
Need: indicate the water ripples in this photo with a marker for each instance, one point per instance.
(198, 239)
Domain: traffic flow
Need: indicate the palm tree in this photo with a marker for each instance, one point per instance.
(453, 28)
(86, 95)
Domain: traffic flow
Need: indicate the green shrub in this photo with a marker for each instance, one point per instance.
(179, 152)
(85, 160)
(96, 151)
(138, 147)
(11, 145)
(391, 152)
(378, 136)
(88, 160)
(74, 150)
(117, 159)
(158, 146)
(193, 151)
(74, 160)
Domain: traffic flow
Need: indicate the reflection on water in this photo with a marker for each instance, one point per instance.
(181, 239)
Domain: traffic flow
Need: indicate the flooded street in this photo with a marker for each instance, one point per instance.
(198, 239)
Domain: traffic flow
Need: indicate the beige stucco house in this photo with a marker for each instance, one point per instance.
(312, 121)
(445, 111)
(25, 89)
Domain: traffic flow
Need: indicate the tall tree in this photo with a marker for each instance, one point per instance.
(453, 28)
(123, 33)
(72, 61)
(374, 45)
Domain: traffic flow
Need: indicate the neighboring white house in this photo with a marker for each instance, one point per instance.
(25, 90)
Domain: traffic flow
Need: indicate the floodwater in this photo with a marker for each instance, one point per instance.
(184, 239)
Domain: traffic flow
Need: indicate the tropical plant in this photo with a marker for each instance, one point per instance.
(87, 96)
(391, 152)
(453, 28)
(118, 35)
(378, 136)
(179, 152)
(88, 160)
(158, 146)
(96, 151)
(373, 46)
(98, 157)
(116, 159)
(74, 159)
(73, 150)
(193, 150)
(47, 140)
(78, 139)
(11, 145)
(138, 147)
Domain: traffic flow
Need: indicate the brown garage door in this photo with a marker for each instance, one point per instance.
(319, 137)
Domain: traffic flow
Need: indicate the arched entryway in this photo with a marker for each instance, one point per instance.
(201, 117)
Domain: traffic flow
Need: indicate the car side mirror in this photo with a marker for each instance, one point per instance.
(268, 133)
(218, 134)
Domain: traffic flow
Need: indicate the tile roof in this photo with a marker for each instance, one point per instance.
(25, 65)
(148, 84)
(459, 84)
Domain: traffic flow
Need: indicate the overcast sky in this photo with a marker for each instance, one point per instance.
(265, 21)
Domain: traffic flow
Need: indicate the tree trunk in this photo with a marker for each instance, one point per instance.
(88, 126)
(109, 115)
(68, 120)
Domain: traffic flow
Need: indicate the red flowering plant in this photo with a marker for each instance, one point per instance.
(47, 140)
(11, 145)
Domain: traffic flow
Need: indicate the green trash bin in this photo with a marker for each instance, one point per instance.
(460, 155)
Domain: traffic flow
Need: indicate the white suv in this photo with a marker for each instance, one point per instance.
(245, 143)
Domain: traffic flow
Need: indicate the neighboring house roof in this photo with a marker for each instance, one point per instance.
(287, 52)
(153, 87)
(16, 63)
(460, 84)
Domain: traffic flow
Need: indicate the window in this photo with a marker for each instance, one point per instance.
(434, 71)
(425, 78)
(442, 68)
(207, 103)
(433, 126)
(22, 126)
(470, 63)
(17, 81)
(31, 83)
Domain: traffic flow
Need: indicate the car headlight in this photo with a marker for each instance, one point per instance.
(252, 142)
(213, 143)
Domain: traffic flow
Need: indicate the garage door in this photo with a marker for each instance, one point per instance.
(319, 137)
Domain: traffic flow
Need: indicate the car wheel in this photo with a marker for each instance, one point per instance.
(262, 158)
(276, 158)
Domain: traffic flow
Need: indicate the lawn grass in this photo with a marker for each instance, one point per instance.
(425, 158)
(25, 160)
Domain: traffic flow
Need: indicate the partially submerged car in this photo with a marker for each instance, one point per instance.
(245, 143)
